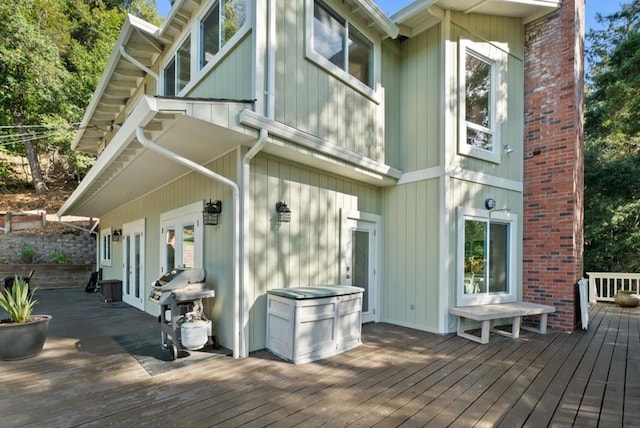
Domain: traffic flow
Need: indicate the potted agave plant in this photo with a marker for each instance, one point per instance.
(22, 335)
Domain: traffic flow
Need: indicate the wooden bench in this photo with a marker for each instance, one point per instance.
(487, 314)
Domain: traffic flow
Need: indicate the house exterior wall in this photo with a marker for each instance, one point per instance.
(306, 251)
(412, 218)
(231, 77)
(217, 261)
(421, 212)
(309, 98)
(554, 162)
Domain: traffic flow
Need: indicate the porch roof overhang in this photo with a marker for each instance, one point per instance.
(423, 14)
(126, 170)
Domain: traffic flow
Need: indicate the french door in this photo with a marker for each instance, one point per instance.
(359, 266)
(133, 281)
(182, 237)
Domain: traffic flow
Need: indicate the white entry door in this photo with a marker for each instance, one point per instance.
(133, 281)
(360, 259)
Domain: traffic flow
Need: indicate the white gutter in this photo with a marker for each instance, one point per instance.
(137, 63)
(236, 226)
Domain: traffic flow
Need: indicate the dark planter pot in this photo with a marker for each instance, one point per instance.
(24, 340)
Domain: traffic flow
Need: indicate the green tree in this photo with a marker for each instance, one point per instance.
(52, 53)
(612, 143)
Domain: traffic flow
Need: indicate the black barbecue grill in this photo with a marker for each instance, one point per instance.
(183, 323)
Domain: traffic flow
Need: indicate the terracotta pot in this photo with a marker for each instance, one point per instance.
(626, 299)
(23, 340)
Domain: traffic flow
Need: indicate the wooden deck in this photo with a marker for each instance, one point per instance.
(101, 366)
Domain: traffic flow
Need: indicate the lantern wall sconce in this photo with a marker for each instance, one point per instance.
(211, 213)
(116, 234)
(284, 213)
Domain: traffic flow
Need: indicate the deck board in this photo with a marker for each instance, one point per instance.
(86, 376)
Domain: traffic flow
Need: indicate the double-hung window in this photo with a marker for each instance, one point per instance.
(487, 248)
(177, 74)
(218, 26)
(338, 46)
(481, 101)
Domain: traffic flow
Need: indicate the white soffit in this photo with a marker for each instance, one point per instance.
(126, 171)
(422, 14)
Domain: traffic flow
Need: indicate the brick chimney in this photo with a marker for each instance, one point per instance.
(554, 162)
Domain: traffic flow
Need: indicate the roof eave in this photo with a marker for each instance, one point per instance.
(131, 24)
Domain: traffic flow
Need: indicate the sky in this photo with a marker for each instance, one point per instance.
(604, 7)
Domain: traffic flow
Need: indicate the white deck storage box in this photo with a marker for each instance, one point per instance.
(309, 323)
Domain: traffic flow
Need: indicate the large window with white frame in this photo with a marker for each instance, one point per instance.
(487, 249)
(335, 44)
(481, 100)
(218, 28)
(219, 24)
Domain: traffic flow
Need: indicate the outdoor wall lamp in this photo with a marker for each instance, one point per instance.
(284, 213)
(489, 203)
(507, 149)
(211, 213)
(116, 234)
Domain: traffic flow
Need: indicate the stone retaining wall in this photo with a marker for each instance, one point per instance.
(51, 276)
(78, 249)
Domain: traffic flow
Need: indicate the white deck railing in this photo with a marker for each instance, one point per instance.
(603, 286)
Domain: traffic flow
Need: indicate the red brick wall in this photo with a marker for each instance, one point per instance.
(553, 162)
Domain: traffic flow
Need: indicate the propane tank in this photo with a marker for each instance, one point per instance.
(193, 334)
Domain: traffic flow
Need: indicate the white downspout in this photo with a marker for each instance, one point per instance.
(236, 224)
(246, 168)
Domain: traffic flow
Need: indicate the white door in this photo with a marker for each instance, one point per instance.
(133, 290)
(182, 242)
(360, 261)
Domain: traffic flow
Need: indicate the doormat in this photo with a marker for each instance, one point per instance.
(114, 305)
(146, 348)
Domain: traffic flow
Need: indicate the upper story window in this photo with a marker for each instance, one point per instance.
(339, 42)
(335, 44)
(218, 26)
(480, 101)
(177, 73)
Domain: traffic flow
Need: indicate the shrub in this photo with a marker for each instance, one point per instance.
(60, 257)
(18, 302)
(28, 254)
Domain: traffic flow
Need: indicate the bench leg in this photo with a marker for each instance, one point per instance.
(484, 332)
(515, 329)
(543, 325)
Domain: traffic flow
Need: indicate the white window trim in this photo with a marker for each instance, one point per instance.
(337, 72)
(497, 99)
(197, 73)
(106, 234)
(463, 299)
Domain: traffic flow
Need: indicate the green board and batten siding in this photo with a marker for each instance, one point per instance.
(230, 78)
(305, 251)
(312, 100)
(413, 213)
